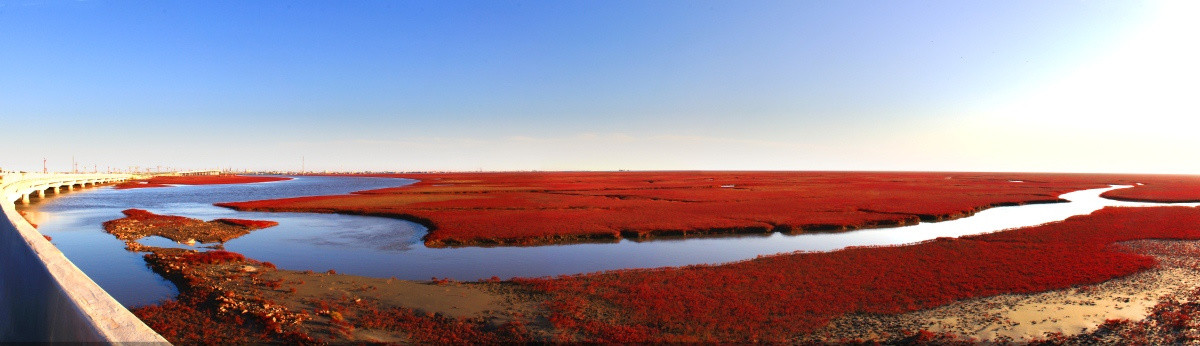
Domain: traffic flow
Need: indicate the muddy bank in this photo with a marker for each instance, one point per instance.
(225, 291)
(225, 297)
(138, 224)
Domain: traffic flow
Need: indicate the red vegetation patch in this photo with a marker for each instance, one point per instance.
(539, 208)
(151, 220)
(166, 181)
(207, 310)
(253, 224)
(185, 323)
(140, 223)
(211, 257)
(778, 297)
(1166, 189)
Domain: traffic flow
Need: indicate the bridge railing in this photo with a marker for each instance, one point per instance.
(18, 184)
(45, 297)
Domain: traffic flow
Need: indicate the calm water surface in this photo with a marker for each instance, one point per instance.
(383, 247)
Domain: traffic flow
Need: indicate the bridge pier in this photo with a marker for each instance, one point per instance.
(41, 193)
(25, 199)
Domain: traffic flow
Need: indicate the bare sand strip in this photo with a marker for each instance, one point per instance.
(1025, 317)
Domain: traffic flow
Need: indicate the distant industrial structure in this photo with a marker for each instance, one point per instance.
(203, 172)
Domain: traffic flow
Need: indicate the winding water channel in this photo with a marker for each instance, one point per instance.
(384, 247)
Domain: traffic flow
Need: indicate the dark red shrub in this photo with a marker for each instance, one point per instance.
(212, 257)
(252, 224)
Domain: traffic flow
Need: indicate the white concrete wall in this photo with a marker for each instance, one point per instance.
(45, 297)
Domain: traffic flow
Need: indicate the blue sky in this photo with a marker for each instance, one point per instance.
(600, 85)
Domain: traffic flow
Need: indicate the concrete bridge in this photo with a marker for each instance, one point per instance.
(43, 296)
(24, 185)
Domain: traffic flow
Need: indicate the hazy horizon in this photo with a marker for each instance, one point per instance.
(1003, 86)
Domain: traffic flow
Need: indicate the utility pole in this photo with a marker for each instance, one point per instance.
(44, 170)
(74, 165)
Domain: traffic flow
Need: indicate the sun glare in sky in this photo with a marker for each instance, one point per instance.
(1071, 86)
(1130, 109)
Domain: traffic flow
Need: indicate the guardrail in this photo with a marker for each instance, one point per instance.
(43, 296)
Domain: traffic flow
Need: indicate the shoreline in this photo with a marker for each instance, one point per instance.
(354, 318)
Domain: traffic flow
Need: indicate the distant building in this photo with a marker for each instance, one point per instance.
(208, 172)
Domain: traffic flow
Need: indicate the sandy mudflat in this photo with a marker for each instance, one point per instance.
(456, 300)
(1020, 317)
(1072, 311)
(326, 306)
